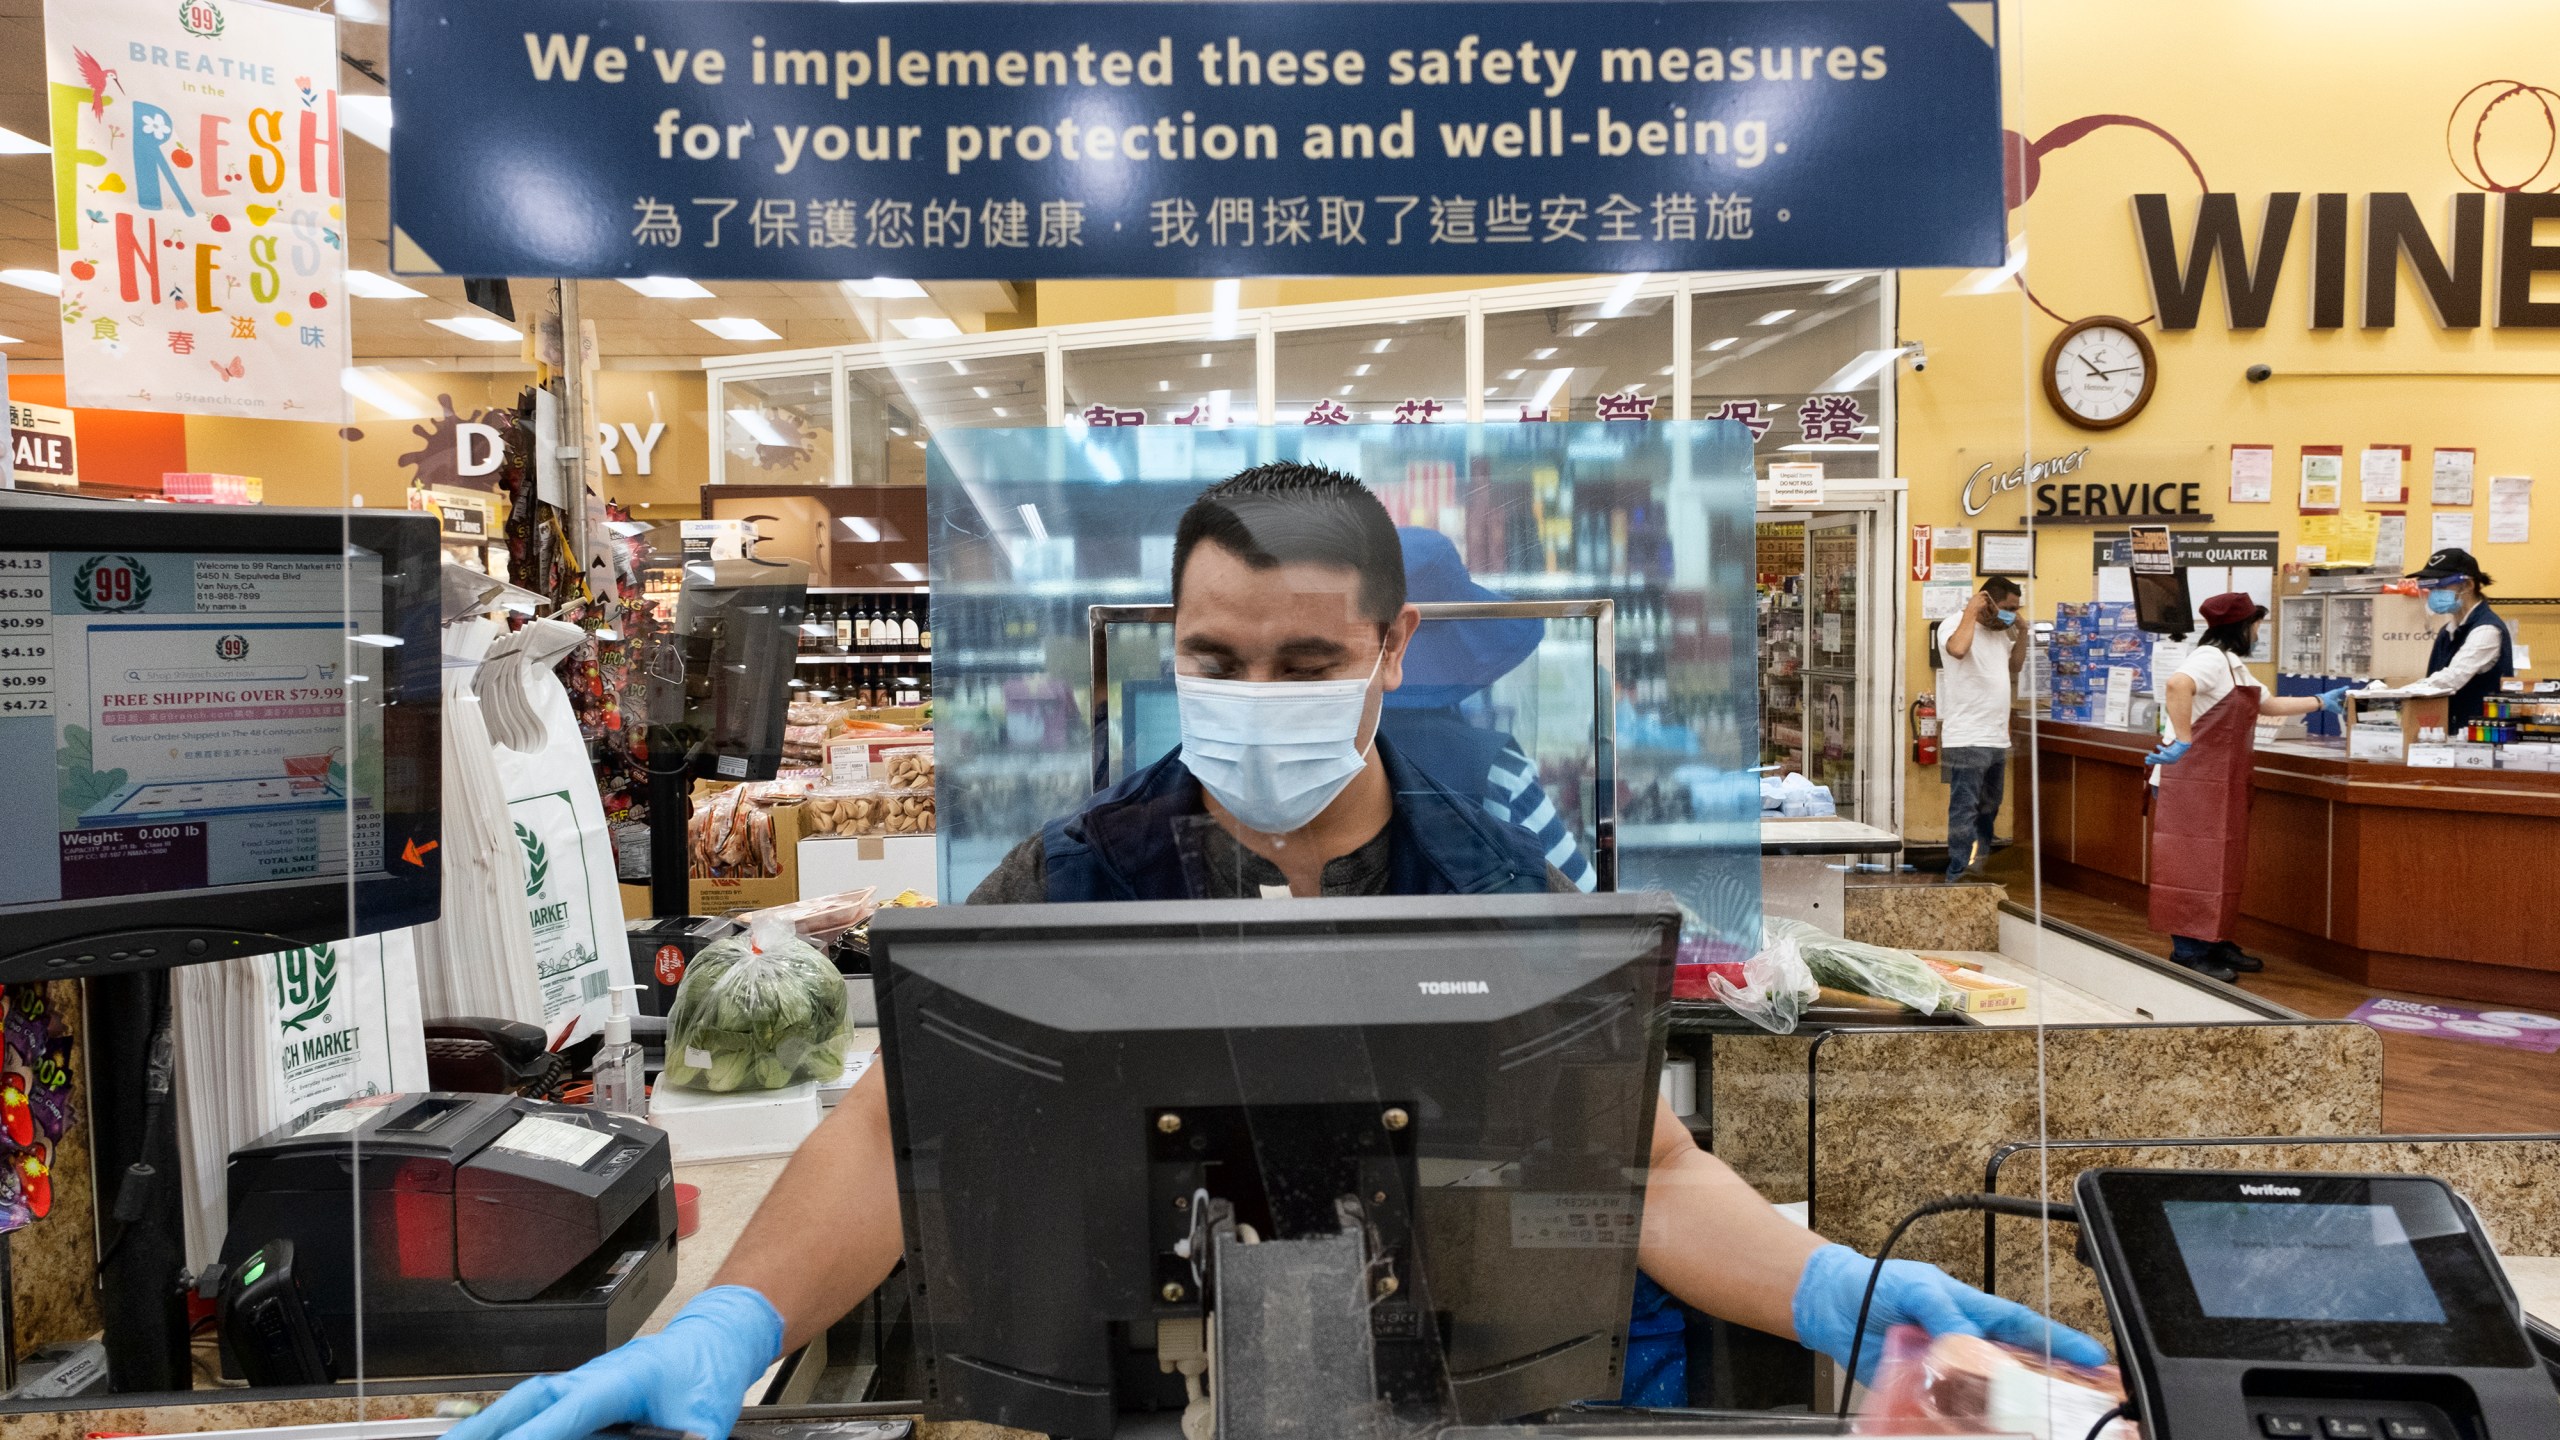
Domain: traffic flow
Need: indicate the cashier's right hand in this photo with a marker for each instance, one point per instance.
(693, 1375)
(1911, 1293)
(2169, 754)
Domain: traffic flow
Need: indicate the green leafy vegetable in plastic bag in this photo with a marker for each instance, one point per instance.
(757, 1012)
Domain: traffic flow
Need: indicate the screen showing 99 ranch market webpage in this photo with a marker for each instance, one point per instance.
(193, 712)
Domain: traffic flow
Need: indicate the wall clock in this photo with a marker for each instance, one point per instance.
(2099, 372)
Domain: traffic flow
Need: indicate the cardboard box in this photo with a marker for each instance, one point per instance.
(2426, 712)
(718, 895)
(1979, 993)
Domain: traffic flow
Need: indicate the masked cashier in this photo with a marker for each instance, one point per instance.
(1290, 628)
(2474, 651)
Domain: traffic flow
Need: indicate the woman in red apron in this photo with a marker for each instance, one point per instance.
(2200, 809)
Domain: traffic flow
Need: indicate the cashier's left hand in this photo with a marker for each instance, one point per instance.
(2169, 754)
(1911, 1293)
(693, 1376)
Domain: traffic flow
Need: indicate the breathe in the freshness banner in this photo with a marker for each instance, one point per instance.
(194, 709)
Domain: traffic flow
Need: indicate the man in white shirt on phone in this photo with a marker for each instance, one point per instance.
(1980, 650)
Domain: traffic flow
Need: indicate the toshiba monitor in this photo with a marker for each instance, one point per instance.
(220, 727)
(1448, 1098)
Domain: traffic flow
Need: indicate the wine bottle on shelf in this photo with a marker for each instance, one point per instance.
(843, 616)
(924, 629)
(908, 634)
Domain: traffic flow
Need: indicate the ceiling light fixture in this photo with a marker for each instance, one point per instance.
(1620, 297)
(1723, 343)
(926, 327)
(758, 428)
(365, 285)
(1362, 369)
(469, 327)
(668, 287)
(1547, 353)
(983, 392)
(1842, 284)
(862, 528)
(738, 328)
(957, 368)
(42, 281)
(882, 287)
(1513, 374)
(13, 143)
(1380, 348)
(1773, 317)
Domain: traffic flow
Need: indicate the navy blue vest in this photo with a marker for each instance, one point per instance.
(2465, 705)
(1121, 845)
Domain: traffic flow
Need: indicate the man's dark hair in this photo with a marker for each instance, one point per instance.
(1286, 513)
(2001, 587)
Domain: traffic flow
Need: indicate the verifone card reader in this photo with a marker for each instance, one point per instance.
(2338, 1307)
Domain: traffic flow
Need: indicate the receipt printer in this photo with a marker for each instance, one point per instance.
(2332, 1307)
(493, 1234)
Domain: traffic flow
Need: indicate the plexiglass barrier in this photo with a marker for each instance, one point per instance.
(1034, 529)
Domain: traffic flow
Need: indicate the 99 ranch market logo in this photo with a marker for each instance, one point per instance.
(200, 18)
(111, 584)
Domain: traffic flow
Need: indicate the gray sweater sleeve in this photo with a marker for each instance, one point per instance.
(1020, 878)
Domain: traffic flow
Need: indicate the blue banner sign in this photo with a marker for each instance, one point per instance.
(788, 140)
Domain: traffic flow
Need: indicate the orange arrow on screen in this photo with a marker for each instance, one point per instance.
(416, 854)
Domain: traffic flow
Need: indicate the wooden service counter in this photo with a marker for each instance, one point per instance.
(2443, 882)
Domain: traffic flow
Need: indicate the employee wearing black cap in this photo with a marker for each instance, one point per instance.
(2473, 653)
(2200, 810)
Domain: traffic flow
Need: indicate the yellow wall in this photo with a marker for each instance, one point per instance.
(2281, 95)
(316, 464)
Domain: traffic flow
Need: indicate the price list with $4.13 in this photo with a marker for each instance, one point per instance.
(26, 634)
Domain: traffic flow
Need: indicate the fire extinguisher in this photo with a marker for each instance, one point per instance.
(1924, 730)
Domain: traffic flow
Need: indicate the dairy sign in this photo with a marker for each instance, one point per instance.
(199, 206)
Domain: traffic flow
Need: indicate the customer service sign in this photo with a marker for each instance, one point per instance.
(199, 215)
(776, 139)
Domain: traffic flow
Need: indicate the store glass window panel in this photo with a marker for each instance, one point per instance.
(779, 429)
(1562, 362)
(1800, 364)
(896, 409)
(1177, 382)
(1408, 371)
(1032, 530)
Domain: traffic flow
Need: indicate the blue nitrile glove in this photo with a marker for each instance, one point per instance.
(692, 1375)
(1835, 1280)
(2169, 754)
(2334, 701)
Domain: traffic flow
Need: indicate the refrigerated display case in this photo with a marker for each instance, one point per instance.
(1818, 679)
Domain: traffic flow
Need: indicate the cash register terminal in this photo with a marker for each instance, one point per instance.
(2336, 1307)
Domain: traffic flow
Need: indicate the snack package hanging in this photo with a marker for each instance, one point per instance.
(570, 890)
(757, 1011)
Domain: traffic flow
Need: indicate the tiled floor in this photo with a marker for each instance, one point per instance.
(2428, 1086)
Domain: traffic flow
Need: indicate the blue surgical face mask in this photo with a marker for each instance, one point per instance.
(2008, 617)
(1274, 753)
(2444, 602)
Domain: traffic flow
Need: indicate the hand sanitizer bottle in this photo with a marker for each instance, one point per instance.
(620, 1087)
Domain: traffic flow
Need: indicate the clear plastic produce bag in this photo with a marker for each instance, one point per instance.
(757, 1011)
(1876, 970)
(1776, 987)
